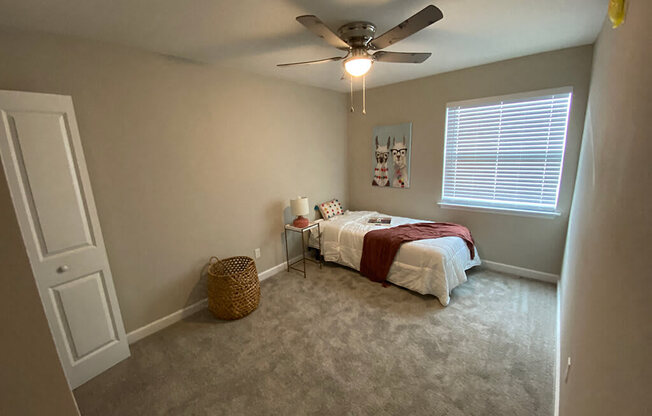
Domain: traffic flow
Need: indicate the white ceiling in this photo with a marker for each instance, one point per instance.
(255, 35)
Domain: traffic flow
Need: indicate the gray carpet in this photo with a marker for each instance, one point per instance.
(338, 344)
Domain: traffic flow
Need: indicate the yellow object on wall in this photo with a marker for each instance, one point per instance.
(616, 12)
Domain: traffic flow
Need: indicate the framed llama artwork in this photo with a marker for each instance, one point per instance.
(391, 155)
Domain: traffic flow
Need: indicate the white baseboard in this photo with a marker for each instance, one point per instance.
(521, 271)
(149, 329)
(278, 268)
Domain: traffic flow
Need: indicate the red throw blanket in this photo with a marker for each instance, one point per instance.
(380, 246)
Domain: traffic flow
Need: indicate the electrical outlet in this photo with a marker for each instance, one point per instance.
(257, 253)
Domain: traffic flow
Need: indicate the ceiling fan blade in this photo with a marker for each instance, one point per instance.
(424, 18)
(316, 26)
(318, 61)
(401, 57)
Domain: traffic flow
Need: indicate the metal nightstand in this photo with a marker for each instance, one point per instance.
(312, 225)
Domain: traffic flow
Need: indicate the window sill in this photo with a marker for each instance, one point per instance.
(505, 211)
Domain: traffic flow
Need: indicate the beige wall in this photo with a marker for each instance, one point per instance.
(186, 161)
(32, 381)
(606, 325)
(533, 243)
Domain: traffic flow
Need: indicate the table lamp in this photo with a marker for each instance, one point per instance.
(300, 208)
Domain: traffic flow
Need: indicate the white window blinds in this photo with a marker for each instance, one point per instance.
(506, 152)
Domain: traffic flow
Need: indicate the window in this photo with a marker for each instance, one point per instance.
(506, 153)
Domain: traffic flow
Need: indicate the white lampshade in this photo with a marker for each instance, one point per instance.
(299, 206)
(357, 66)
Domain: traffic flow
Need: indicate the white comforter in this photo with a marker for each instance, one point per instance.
(434, 266)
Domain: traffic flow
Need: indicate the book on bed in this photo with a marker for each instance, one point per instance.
(380, 220)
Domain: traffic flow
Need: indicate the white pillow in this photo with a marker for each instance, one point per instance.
(330, 209)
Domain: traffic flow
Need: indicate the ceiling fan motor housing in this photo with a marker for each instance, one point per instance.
(357, 34)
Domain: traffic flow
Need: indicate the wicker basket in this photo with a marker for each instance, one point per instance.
(233, 287)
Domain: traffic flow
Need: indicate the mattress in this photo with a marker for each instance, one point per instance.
(430, 267)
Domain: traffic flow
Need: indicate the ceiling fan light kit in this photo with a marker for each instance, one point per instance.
(358, 38)
(358, 63)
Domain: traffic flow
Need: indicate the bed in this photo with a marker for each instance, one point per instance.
(434, 266)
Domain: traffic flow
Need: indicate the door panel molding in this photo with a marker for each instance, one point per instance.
(30, 173)
(69, 313)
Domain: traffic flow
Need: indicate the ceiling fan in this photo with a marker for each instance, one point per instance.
(358, 39)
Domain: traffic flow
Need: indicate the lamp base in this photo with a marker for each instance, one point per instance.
(300, 222)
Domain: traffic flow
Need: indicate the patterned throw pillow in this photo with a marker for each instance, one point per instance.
(330, 209)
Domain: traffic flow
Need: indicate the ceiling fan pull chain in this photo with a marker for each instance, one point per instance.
(352, 109)
(364, 94)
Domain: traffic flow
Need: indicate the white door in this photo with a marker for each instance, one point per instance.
(44, 163)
